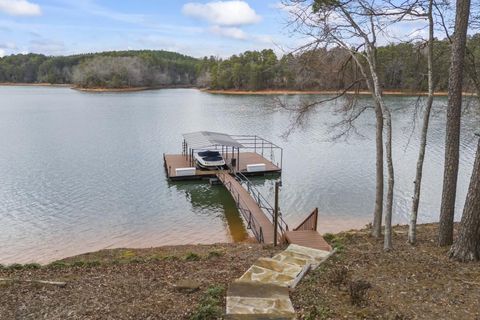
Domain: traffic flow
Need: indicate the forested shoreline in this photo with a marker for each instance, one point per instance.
(402, 67)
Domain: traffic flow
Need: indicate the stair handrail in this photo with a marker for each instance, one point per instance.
(310, 222)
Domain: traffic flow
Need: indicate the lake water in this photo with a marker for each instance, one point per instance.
(84, 171)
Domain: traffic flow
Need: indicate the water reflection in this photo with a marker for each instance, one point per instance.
(204, 197)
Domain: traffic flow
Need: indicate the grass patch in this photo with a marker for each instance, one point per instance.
(317, 313)
(192, 256)
(32, 266)
(210, 304)
(79, 264)
(58, 265)
(15, 266)
(127, 254)
(154, 257)
(137, 260)
(335, 241)
(93, 263)
(171, 258)
(215, 254)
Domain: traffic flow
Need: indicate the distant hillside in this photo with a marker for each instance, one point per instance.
(114, 69)
(401, 67)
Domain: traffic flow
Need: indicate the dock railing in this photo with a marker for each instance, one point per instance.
(262, 202)
(261, 146)
(252, 223)
(310, 222)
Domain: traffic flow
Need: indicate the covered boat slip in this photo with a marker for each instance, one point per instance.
(248, 154)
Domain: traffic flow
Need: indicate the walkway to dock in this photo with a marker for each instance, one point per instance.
(256, 219)
(259, 216)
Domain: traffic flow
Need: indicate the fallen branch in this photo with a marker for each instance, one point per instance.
(53, 283)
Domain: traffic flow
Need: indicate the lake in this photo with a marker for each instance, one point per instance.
(84, 171)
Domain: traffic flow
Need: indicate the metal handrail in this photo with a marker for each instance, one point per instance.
(252, 223)
(261, 201)
(260, 146)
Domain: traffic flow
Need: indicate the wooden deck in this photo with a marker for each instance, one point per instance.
(248, 206)
(307, 238)
(174, 161)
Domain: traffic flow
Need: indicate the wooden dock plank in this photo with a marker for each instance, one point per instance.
(244, 199)
(308, 238)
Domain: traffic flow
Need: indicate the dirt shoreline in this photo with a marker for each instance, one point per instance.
(320, 92)
(407, 283)
(99, 89)
(227, 92)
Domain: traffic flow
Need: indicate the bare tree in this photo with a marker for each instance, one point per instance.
(355, 26)
(452, 140)
(412, 230)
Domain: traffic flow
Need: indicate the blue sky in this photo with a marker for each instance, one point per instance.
(197, 28)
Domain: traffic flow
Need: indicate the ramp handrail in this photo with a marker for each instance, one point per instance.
(262, 202)
(252, 223)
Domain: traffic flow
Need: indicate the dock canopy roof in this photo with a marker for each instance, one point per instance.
(205, 139)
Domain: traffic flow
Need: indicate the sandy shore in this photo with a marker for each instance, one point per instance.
(40, 84)
(317, 92)
(229, 91)
(130, 89)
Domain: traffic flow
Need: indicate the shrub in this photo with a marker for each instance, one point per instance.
(358, 291)
(15, 266)
(209, 307)
(339, 276)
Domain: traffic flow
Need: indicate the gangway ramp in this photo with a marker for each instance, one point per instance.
(260, 224)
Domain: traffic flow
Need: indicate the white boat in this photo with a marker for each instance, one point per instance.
(209, 159)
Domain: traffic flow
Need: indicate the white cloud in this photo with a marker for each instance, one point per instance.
(229, 32)
(222, 13)
(20, 8)
(2, 53)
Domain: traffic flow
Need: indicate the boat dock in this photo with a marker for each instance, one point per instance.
(249, 154)
(245, 155)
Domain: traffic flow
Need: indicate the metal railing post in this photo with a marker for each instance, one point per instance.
(275, 215)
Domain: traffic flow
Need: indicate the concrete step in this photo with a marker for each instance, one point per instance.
(250, 300)
(270, 271)
(300, 256)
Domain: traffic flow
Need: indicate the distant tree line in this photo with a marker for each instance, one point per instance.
(116, 69)
(401, 67)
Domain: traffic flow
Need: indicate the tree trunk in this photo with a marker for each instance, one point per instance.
(377, 95)
(467, 245)
(378, 211)
(387, 244)
(452, 140)
(412, 230)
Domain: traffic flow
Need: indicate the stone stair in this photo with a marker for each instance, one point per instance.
(262, 292)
